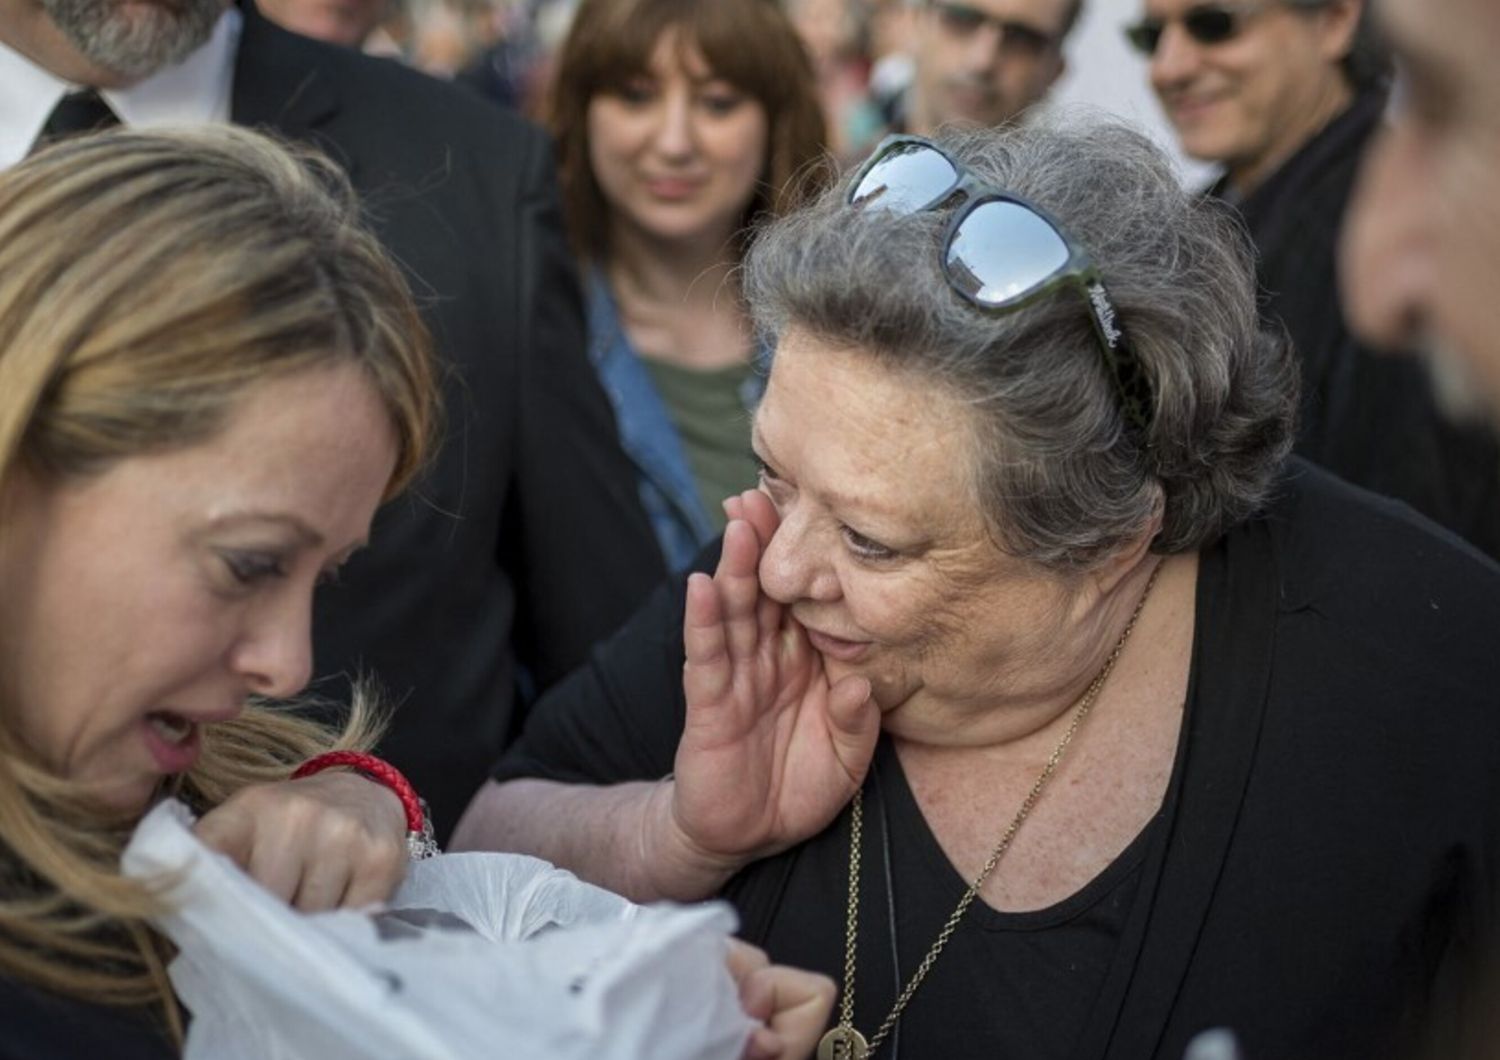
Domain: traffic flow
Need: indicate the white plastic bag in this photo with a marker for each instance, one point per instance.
(553, 968)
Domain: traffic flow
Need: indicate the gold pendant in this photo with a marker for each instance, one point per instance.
(843, 1043)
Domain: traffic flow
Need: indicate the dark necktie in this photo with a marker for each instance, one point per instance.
(77, 112)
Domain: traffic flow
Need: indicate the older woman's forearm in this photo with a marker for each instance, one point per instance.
(621, 836)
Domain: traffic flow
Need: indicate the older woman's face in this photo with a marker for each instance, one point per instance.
(882, 553)
(677, 150)
(152, 598)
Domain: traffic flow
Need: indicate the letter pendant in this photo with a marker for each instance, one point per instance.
(843, 1043)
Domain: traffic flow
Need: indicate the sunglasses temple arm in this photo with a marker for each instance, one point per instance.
(1124, 368)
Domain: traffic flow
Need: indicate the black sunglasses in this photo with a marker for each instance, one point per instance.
(961, 20)
(1205, 23)
(1000, 252)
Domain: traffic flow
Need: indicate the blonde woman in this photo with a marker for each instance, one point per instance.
(210, 377)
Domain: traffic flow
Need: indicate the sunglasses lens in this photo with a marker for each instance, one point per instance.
(1210, 25)
(1002, 252)
(909, 177)
(1206, 25)
(1144, 37)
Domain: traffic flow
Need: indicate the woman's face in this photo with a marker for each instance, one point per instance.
(148, 600)
(676, 150)
(882, 553)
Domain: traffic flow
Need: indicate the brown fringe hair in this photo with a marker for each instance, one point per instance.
(749, 43)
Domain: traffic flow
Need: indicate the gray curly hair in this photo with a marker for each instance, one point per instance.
(1061, 480)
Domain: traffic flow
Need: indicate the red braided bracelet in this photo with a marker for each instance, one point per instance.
(419, 838)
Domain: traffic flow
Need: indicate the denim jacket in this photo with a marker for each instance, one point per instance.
(663, 475)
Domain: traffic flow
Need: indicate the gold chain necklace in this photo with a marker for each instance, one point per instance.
(844, 1042)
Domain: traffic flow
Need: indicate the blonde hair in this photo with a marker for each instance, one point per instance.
(147, 282)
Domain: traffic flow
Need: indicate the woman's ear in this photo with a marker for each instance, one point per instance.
(1128, 556)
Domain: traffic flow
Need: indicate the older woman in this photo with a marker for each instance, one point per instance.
(1035, 695)
(678, 123)
(210, 376)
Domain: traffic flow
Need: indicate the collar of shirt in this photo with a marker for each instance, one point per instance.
(193, 92)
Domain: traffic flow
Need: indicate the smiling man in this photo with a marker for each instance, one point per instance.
(1422, 249)
(982, 62)
(1247, 84)
(1285, 95)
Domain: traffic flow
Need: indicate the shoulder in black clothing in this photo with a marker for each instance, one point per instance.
(1374, 589)
(1333, 856)
(619, 716)
(36, 1025)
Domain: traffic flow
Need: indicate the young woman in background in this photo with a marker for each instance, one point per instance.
(678, 123)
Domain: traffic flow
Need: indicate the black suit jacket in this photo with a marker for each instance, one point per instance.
(525, 542)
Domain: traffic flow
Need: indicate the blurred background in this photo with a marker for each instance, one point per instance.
(504, 50)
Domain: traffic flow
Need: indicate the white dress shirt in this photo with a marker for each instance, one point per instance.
(193, 92)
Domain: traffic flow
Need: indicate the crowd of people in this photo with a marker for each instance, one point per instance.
(758, 454)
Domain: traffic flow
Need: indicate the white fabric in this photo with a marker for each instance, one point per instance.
(194, 92)
(555, 969)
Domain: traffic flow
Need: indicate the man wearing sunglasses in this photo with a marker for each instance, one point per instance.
(1285, 95)
(982, 62)
(1248, 83)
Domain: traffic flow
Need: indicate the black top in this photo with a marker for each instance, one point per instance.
(1371, 418)
(1327, 846)
(35, 1025)
(525, 542)
(1044, 969)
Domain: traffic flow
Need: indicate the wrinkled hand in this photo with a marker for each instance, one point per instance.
(792, 1005)
(329, 840)
(771, 751)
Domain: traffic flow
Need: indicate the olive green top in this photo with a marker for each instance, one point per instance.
(708, 410)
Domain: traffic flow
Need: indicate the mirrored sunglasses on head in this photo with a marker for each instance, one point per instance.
(1204, 23)
(1000, 252)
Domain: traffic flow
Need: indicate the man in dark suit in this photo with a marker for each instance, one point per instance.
(525, 542)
